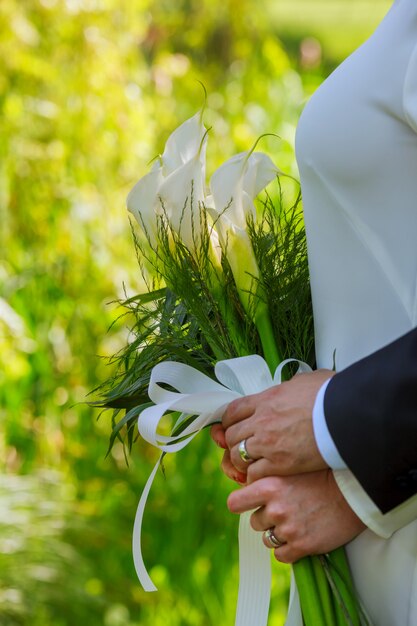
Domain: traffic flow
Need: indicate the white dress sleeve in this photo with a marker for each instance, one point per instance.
(382, 524)
(410, 92)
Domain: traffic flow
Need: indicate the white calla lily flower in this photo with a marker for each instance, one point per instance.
(182, 196)
(236, 183)
(234, 187)
(175, 187)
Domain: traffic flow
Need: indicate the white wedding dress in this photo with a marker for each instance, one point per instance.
(357, 153)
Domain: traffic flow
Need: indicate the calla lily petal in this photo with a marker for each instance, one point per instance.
(142, 200)
(182, 196)
(225, 189)
(259, 172)
(184, 144)
(248, 205)
(236, 183)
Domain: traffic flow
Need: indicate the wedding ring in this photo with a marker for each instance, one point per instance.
(271, 540)
(243, 453)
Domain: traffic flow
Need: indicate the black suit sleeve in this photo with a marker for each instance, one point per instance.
(371, 413)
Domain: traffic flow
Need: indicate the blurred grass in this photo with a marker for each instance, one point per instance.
(89, 90)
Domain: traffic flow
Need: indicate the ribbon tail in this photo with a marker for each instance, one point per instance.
(254, 577)
(141, 571)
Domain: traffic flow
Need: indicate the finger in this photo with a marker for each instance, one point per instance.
(218, 435)
(238, 410)
(250, 497)
(239, 431)
(260, 468)
(230, 471)
(265, 517)
(288, 554)
(259, 520)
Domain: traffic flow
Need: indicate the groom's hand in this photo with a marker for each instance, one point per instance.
(277, 428)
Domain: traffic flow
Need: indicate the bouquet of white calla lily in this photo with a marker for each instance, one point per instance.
(234, 282)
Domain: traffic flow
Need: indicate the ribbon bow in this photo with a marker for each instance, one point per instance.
(207, 399)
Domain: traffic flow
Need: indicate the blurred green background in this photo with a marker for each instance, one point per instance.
(89, 91)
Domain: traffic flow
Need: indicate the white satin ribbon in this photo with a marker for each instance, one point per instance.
(200, 396)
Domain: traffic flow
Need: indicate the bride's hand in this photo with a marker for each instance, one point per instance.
(277, 428)
(306, 513)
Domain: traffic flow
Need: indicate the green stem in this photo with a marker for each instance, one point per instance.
(325, 594)
(228, 315)
(339, 572)
(310, 600)
(327, 597)
(266, 335)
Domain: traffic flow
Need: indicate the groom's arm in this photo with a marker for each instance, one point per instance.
(371, 413)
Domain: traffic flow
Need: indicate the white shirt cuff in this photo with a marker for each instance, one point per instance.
(324, 441)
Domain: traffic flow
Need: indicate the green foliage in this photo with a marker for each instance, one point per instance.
(89, 91)
(281, 250)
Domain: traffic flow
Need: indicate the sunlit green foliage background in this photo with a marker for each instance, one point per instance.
(89, 91)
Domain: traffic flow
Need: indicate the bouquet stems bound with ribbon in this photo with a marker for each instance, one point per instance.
(227, 307)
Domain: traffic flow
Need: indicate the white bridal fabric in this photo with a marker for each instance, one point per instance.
(357, 153)
(203, 397)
